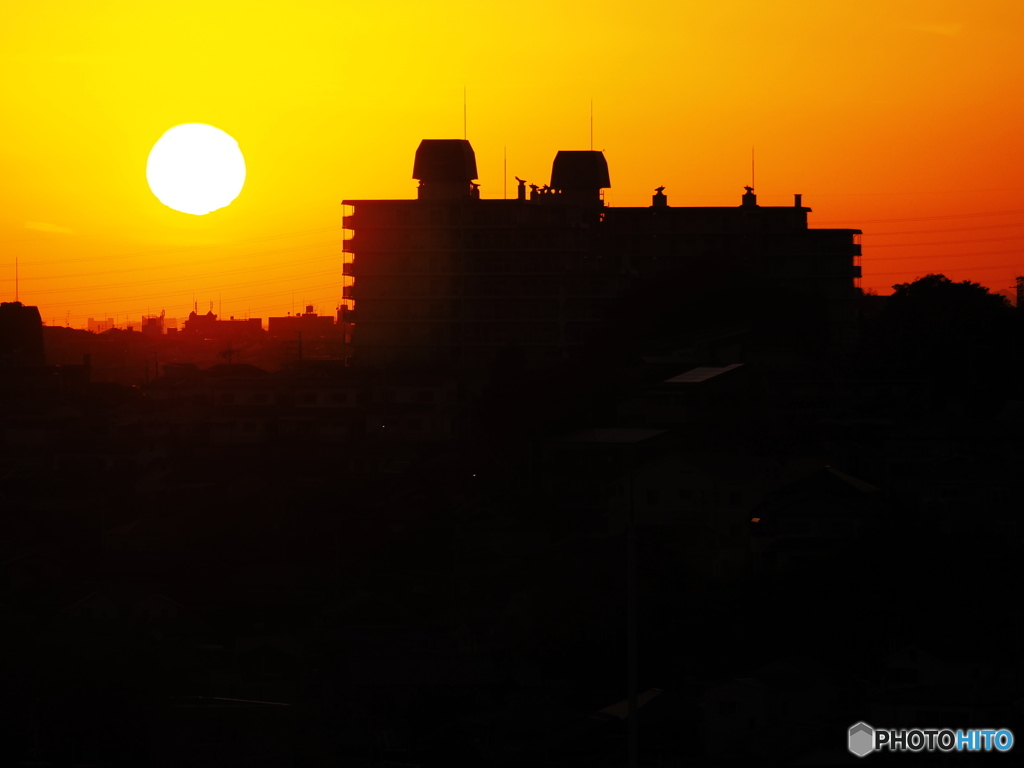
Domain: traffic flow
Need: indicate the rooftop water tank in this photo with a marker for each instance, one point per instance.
(580, 171)
(444, 160)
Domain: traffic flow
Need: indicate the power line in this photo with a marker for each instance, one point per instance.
(1016, 251)
(325, 299)
(188, 291)
(947, 242)
(191, 277)
(923, 218)
(187, 307)
(191, 265)
(179, 249)
(938, 231)
(1016, 266)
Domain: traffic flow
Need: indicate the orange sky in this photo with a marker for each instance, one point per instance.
(900, 118)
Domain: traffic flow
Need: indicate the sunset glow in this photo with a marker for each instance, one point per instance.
(900, 119)
(196, 169)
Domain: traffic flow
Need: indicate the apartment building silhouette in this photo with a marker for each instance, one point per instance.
(451, 277)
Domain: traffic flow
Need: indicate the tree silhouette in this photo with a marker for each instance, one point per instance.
(936, 306)
(959, 334)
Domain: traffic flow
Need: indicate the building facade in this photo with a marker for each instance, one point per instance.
(21, 335)
(453, 278)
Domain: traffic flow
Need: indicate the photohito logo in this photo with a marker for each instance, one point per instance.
(863, 739)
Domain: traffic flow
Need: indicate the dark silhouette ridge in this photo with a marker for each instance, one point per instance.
(218, 549)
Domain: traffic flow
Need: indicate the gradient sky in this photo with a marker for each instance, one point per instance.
(898, 117)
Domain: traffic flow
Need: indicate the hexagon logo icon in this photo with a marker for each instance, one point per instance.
(862, 739)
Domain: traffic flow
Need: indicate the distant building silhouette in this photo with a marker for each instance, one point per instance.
(309, 324)
(451, 277)
(21, 335)
(153, 325)
(99, 326)
(209, 327)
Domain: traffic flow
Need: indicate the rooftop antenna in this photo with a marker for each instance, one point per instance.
(15, 279)
(591, 125)
(752, 184)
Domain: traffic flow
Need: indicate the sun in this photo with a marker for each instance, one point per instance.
(195, 168)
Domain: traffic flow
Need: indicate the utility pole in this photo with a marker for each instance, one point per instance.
(632, 747)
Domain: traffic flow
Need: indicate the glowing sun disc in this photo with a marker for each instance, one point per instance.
(195, 168)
